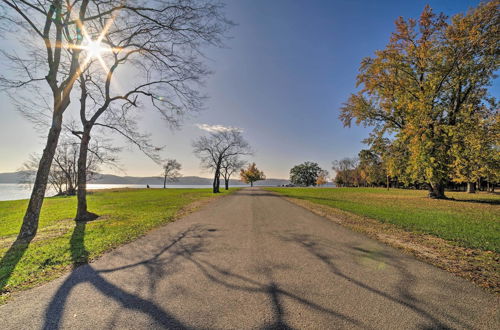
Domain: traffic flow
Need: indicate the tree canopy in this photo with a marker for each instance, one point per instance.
(426, 96)
(251, 174)
(305, 174)
(216, 148)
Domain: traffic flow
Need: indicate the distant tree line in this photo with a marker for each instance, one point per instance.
(370, 170)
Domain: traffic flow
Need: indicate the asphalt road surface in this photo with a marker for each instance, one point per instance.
(253, 260)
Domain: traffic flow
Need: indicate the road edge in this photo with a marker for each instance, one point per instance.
(477, 266)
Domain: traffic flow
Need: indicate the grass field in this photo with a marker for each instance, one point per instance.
(468, 220)
(125, 215)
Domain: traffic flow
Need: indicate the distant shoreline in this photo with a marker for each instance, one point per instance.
(16, 191)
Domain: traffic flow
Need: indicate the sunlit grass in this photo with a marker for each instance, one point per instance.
(469, 220)
(125, 215)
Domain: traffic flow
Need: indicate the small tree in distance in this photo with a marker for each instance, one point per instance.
(305, 174)
(230, 166)
(216, 148)
(171, 172)
(322, 178)
(251, 174)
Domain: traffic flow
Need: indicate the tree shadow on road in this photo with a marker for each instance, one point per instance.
(157, 266)
(270, 288)
(320, 250)
(88, 275)
(179, 250)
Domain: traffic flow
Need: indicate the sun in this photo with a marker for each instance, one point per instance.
(94, 48)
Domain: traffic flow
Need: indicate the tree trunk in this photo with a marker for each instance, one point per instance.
(387, 182)
(251, 183)
(436, 190)
(226, 183)
(71, 189)
(165, 182)
(82, 213)
(471, 187)
(31, 217)
(215, 185)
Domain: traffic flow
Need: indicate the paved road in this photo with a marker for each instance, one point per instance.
(254, 260)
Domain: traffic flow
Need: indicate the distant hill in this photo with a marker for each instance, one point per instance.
(15, 177)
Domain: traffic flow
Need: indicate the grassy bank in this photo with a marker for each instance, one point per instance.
(124, 216)
(469, 220)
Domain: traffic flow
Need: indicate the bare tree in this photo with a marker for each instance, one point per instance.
(214, 149)
(171, 173)
(161, 40)
(46, 22)
(229, 166)
(63, 173)
(160, 43)
(56, 180)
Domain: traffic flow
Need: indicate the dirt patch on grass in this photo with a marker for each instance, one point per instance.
(478, 266)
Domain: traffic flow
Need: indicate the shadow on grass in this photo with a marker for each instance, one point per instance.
(11, 259)
(478, 201)
(312, 198)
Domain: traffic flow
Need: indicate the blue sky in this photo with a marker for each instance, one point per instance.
(282, 78)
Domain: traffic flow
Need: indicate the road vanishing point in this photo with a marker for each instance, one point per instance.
(253, 260)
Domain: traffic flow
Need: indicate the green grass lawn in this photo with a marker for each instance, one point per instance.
(469, 220)
(125, 215)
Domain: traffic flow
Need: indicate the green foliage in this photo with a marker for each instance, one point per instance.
(305, 174)
(426, 91)
(125, 215)
(468, 221)
(347, 172)
(371, 168)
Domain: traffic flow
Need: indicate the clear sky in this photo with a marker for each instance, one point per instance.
(282, 79)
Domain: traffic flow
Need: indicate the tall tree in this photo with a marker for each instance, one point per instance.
(47, 22)
(305, 174)
(431, 75)
(251, 174)
(160, 42)
(171, 171)
(214, 149)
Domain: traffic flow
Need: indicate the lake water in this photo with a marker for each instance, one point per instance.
(13, 191)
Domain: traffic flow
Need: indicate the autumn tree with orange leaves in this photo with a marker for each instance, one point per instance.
(427, 90)
(251, 174)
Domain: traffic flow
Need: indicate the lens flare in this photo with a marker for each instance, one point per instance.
(93, 48)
